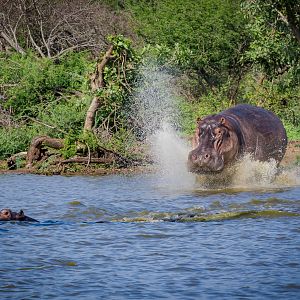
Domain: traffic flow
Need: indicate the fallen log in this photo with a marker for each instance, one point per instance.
(36, 150)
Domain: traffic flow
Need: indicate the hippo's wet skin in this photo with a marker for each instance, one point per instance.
(9, 215)
(222, 138)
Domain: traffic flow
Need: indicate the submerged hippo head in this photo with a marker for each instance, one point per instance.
(8, 215)
(216, 144)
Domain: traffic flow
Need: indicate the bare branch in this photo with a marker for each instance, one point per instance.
(63, 52)
(283, 17)
(17, 47)
(34, 43)
(53, 28)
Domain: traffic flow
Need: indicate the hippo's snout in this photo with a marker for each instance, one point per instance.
(204, 162)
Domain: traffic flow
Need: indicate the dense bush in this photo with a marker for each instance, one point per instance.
(230, 51)
(29, 83)
(207, 36)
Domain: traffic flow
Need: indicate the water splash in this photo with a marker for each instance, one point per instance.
(250, 174)
(155, 101)
(170, 151)
(155, 108)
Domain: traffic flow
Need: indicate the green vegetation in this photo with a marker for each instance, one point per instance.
(43, 97)
(205, 36)
(230, 51)
(221, 53)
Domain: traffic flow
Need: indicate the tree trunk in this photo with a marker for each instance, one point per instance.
(97, 82)
(291, 17)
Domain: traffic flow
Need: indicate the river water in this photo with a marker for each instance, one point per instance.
(147, 237)
(166, 235)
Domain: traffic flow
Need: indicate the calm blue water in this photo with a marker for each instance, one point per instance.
(154, 242)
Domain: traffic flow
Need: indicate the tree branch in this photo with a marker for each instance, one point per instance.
(13, 44)
(97, 82)
(289, 20)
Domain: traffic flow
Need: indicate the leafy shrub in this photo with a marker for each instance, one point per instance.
(14, 140)
(30, 81)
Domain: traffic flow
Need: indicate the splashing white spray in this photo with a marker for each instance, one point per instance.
(155, 108)
(171, 154)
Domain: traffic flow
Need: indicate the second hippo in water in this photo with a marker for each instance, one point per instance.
(9, 215)
(223, 138)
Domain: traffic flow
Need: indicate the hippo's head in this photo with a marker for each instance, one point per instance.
(216, 144)
(8, 215)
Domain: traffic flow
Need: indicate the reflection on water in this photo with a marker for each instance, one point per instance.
(152, 241)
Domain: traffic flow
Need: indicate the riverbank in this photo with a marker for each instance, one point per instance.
(292, 155)
(291, 158)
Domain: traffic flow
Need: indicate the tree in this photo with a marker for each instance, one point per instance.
(110, 85)
(274, 27)
(53, 27)
(208, 36)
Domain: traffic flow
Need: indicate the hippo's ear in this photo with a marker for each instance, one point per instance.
(222, 121)
(21, 213)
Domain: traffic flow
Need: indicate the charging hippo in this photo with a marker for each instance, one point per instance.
(223, 138)
(8, 215)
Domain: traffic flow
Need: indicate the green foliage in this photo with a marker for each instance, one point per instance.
(119, 75)
(63, 116)
(123, 142)
(69, 149)
(14, 140)
(274, 53)
(89, 139)
(206, 105)
(282, 100)
(52, 97)
(273, 46)
(30, 82)
(293, 132)
(204, 36)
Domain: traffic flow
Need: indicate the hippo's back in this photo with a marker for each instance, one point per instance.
(260, 131)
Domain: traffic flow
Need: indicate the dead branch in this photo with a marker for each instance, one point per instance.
(54, 27)
(12, 43)
(44, 124)
(97, 81)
